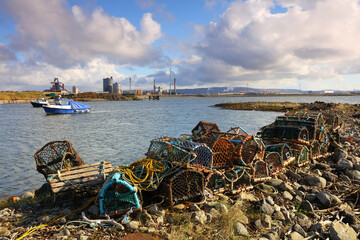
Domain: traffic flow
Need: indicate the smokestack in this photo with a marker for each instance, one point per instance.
(130, 85)
(174, 86)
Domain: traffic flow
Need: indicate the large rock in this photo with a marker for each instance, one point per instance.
(344, 164)
(327, 199)
(339, 154)
(317, 181)
(295, 236)
(267, 208)
(199, 217)
(353, 174)
(240, 229)
(286, 195)
(275, 182)
(341, 231)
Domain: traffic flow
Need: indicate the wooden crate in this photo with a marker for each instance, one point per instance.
(80, 178)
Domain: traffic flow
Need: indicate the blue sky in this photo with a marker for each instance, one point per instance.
(207, 43)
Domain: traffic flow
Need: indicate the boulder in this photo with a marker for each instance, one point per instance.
(344, 164)
(341, 231)
(327, 199)
(314, 180)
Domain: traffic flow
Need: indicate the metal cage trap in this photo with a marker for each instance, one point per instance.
(56, 155)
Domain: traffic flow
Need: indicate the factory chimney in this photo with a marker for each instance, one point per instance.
(130, 85)
(174, 86)
(154, 86)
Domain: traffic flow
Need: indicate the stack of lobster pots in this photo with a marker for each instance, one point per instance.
(209, 161)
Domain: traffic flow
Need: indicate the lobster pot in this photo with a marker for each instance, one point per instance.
(55, 156)
(260, 171)
(302, 154)
(247, 149)
(223, 151)
(204, 129)
(332, 121)
(238, 131)
(118, 196)
(282, 149)
(315, 149)
(237, 179)
(203, 154)
(183, 186)
(215, 182)
(274, 162)
(160, 148)
(286, 133)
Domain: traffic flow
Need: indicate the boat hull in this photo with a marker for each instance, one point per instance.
(36, 104)
(50, 110)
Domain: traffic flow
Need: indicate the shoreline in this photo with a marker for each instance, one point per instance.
(302, 202)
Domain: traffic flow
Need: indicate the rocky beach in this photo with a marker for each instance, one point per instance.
(317, 201)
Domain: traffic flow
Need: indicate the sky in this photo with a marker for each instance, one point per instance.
(297, 44)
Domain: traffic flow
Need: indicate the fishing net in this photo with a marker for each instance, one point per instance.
(182, 186)
(215, 182)
(205, 128)
(160, 148)
(117, 196)
(260, 171)
(55, 156)
(274, 162)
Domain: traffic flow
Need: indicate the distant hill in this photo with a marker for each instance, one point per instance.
(244, 90)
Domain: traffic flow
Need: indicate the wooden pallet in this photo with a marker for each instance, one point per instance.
(80, 177)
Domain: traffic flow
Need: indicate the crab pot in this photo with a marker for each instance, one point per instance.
(182, 186)
(237, 180)
(204, 129)
(118, 196)
(215, 182)
(315, 152)
(284, 150)
(260, 171)
(299, 135)
(55, 156)
(238, 131)
(247, 149)
(302, 154)
(203, 154)
(223, 151)
(332, 121)
(274, 162)
(160, 148)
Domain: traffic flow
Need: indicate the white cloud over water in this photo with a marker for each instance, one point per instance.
(312, 43)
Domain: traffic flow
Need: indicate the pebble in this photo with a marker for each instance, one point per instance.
(133, 225)
(353, 174)
(327, 199)
(179, 207)
(199, 217)
(270, 200)
(299, 229)
(29, 194)
(295, 236)
(267, 208)
(344, 164)
(279, 216)
(214, 213)
(286, 195)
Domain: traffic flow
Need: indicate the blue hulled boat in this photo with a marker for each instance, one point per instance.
(66, 106)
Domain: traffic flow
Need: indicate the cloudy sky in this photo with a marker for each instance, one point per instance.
(307, 44)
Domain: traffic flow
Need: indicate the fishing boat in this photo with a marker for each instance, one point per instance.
(39, 102)
(66, 106)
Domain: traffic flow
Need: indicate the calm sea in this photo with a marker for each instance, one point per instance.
(119, 132)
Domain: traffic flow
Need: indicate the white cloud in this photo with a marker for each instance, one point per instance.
(314, 40)
(48, 32)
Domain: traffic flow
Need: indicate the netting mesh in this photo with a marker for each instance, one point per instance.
(302, 154)
(252, 149)
(237, 179)
(202, 155)
(238, 131)
(274, 162)
(205, 128)
(282, 149)
(260, 170)
(117, 196)
(55, 156)
(315, 149)
(215, 181)
(223, 151)
(286, 132)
